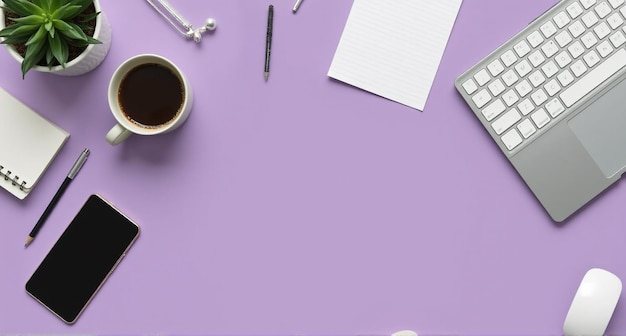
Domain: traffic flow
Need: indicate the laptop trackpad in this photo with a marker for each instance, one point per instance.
(601, 128)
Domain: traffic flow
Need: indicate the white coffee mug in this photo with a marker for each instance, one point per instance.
(125, 125)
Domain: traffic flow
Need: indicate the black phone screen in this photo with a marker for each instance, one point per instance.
(82, 258)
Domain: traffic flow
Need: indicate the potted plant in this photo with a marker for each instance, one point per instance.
(64, 37)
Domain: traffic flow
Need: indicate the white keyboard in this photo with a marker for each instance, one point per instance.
(546, 70)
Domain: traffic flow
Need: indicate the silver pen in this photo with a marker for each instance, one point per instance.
(297, 5)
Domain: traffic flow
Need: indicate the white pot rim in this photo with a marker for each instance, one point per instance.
(78, 59)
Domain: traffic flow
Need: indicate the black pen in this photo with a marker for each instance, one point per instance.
(70, 176)
(268, 40)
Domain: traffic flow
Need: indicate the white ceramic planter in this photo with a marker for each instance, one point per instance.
(85, 62)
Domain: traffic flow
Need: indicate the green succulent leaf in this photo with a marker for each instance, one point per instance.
(35, 51)
(87, 18)
(43, 4)
(19, 30)
(14, 40)
(59, 49)
(91, 40)
(55, 4)
(30, 20)
(75, 33)
(38, 39)
(81, 4)
(61, 25)
(49, 57)
(67, 11)
(22, 7)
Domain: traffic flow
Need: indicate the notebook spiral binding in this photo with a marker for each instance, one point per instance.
(14, 180)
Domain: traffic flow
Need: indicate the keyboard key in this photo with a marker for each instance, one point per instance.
(602, 30)
(508, 58)
(552, 88)
(523, 68)
(521, 49)
(482, 77)
(527, 128)
(511, 139)
(576, 49)
(523, 88)
(550, 48)
(590, 19)
(536, 58)
(565, 78)
(617, 39)
(496, 87)
(604, 48)
(469, 86)
(578, 68)
(615, 21)
(535, 39)
(603, 10)
(616, 3)
(539, 97)
(550, 69)
(540, 118)
(574, 10)
(510, 98)
(561, 19)
(526, 106)
(563, 59)
(495, 68)
(510, 77)
(548, 29)
(536, 78)
(506, 121)
(493, 110)
(594, 78)
(481, 98)
(589, 40)
(591, 58)
(587, 3)
(554, 107)
(563, 38)
(576, 29)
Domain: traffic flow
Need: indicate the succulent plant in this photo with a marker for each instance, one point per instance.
(47, 29)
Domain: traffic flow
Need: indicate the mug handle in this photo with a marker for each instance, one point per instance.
(117, 134)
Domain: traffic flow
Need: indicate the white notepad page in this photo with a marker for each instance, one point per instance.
(393, 48)
(29, 143)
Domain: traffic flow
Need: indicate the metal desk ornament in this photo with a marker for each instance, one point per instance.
(183, 26)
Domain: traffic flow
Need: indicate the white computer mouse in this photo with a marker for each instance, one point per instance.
(593, 304)
(405, 333)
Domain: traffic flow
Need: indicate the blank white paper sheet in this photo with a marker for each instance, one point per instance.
(393, 48)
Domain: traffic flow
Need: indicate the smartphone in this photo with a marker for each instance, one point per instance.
(83, 257)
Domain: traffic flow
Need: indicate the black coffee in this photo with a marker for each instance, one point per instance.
(151, 95)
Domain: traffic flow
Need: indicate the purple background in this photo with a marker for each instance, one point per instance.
(303, 205)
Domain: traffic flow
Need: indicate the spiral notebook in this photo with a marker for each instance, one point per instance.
(29, 143)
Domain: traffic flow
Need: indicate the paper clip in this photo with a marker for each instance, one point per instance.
(183, 26)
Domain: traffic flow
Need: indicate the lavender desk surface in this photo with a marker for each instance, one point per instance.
(302, 205)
